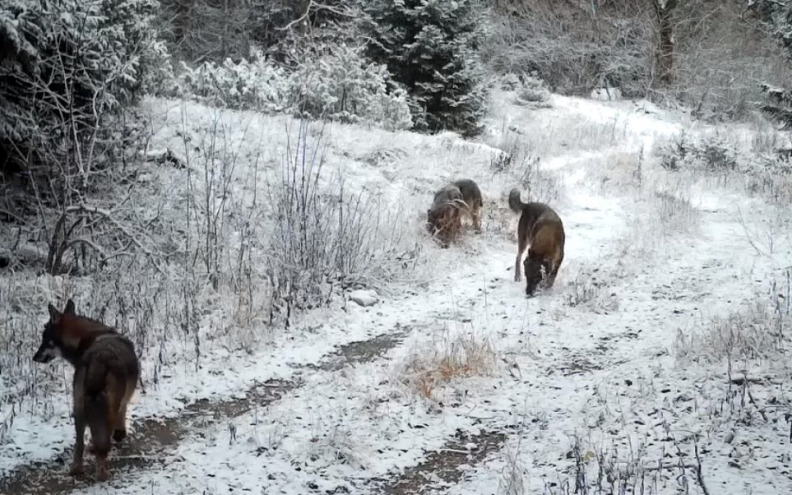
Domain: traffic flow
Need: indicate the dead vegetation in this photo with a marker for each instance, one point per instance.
(425, 372)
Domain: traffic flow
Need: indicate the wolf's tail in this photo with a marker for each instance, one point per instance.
(514, 201)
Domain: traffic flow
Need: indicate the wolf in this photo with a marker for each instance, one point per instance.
(450, 203)
(541, 231)
(106, 373)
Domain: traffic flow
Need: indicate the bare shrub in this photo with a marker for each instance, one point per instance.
(629, 468)
(720, 58)
(325, 238)
(757, 332)
(512, 480)
(454, 357)
(211, 158)
(537, 183)
(675, 212)
(572, 47)
(589, 290)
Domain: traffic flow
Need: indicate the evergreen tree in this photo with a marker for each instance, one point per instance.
(63, 65)
(778, 105)
(431, 47)
(778, 16)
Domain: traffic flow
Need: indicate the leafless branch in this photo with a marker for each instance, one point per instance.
(316, 8)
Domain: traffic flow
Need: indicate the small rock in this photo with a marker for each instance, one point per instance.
(364, 298)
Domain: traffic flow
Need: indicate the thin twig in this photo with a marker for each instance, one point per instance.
(699, 474)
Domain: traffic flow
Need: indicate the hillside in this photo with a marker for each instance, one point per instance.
(654, 365)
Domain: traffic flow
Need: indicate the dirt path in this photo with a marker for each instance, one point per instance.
(152, 444)
(584, 346)
(154, 437)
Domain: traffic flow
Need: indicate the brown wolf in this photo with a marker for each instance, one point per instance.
(106, 372)
(450, 203)
(540, 228)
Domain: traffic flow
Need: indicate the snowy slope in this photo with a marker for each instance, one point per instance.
(613, 378)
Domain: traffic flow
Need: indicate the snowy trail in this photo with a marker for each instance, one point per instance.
(481, 284)
(457, 294)
(569, 361)
(592, 360)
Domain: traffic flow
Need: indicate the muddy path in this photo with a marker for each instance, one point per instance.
(443, 466)
(153, 438)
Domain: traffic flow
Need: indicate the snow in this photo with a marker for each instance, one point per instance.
(615, 357)
(364, 298)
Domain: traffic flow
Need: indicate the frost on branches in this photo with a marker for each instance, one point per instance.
(431, 47)
(64, 66)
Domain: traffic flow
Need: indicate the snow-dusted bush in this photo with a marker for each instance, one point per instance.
(768, 174)
(65, 65)
(532, 90)
(343, 85)
(325, 238)
(710, 154)
(529, 88)
(248, 84)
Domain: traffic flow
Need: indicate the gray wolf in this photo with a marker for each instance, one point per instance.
(444, 218)
(541, 231)
(106, 372)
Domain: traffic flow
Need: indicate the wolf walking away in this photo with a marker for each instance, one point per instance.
(542, 232)
(106, 372)
(461, 197)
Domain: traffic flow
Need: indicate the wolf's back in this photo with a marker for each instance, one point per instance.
(471, 193)
(110, 363)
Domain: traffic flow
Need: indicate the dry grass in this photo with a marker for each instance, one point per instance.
(591, 290)
(425, 371)
(757, 332)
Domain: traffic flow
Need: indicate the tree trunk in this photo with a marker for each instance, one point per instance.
(664, 53)
(181, 21)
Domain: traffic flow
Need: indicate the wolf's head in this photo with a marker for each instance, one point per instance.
(535, 273)
(54, 339)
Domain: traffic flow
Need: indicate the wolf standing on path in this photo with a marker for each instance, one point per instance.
(106, 372)
(540, 228)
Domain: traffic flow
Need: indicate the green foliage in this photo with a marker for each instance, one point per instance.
(431, 47)
(778, 15)
(63, 65)
(778, 105)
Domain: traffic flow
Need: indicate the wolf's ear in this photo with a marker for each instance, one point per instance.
(54, 313)
(69, 308)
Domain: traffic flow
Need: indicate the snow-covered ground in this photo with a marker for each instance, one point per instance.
(653, 366)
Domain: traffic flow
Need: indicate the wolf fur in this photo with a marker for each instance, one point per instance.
(444, 218)
(106, 373)
(541, 231)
